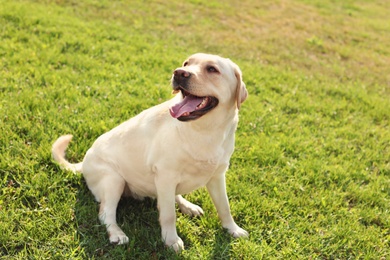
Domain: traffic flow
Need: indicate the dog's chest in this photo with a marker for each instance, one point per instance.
(198, 173)
(202, 160)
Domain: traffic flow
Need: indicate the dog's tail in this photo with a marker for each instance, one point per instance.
(58, 152)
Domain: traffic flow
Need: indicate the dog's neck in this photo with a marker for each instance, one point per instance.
(203, 133)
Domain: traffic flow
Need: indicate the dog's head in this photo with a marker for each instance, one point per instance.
(206, 81)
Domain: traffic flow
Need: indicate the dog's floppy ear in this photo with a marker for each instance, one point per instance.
(241, 92)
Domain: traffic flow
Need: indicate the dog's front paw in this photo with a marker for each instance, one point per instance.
(176, 244)
(237, 232)
(118, 238)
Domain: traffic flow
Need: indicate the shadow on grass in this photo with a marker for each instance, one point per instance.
(222, 246)
(138, 219)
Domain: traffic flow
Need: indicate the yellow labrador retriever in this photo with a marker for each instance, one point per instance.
(169, 149)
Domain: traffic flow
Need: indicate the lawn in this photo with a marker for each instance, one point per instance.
(310, 176)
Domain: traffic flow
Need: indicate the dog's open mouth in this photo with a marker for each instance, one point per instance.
(192, 107)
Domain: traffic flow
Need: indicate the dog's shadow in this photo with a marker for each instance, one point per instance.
(223, 245)
(139, 220)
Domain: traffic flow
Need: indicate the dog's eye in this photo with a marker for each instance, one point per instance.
(211, 69)
(185, 63)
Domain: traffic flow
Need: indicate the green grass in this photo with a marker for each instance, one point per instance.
(310, 177)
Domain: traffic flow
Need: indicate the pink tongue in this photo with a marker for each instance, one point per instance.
(188, 104)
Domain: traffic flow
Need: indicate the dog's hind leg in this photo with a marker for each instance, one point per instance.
(187, 207)
(109, 193)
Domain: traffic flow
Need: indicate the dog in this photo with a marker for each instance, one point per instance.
(170, 149)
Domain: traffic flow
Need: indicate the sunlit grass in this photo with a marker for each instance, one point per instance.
(310, 175)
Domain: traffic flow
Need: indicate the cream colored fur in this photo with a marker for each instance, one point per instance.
(156, 155)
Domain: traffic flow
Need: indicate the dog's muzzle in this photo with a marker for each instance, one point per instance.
(180, 79)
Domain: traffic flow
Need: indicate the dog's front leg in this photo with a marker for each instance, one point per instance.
(217, 190)
(166, 191)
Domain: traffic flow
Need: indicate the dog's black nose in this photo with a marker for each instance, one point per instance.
(180, 79)
(181, 74)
